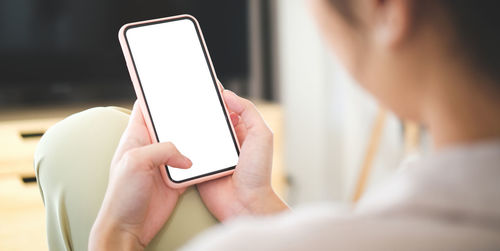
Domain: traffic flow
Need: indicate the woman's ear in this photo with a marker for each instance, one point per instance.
(392, 21)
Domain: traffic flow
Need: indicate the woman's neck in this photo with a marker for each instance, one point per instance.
(461, 110)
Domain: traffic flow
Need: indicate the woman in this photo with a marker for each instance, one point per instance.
(435, 62)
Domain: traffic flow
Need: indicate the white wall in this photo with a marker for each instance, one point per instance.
(328, 118)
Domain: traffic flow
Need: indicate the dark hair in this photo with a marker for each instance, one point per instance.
(476, 25)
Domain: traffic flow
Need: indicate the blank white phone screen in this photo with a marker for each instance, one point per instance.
(181, 96)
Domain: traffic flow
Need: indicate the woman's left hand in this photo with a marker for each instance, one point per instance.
(138, 202)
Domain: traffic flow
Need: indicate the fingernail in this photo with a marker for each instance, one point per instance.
(188, 161)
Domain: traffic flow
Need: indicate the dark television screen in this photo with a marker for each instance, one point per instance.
(59, 51)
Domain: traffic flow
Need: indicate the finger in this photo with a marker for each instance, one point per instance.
(157, 155)
(234, 119)
(136, 127)
(138, 117)
(221, 87)
(241, 132)
(134, 135)
(246, 110)
(239, 128)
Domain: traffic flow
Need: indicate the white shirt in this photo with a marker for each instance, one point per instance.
(449, 200)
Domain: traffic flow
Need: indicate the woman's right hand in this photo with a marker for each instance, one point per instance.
(248, 190)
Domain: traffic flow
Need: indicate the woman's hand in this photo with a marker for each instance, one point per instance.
(248, 190)
(137, 202)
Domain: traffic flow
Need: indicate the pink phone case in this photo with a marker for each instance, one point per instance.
(140, 97)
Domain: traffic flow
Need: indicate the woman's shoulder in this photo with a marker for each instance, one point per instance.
(326, 227)
(458, 184)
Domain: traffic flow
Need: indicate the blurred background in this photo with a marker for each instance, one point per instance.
(57, 57)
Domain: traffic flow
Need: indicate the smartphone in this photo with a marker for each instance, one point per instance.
(176, 85)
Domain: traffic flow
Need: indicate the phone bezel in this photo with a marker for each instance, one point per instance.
(123, 33)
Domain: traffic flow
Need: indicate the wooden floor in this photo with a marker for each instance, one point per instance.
(22, 219)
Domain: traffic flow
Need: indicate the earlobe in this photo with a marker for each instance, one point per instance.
(392, 22)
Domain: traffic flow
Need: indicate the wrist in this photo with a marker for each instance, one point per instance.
(268, 204)
(107, 236)
(260, 203)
